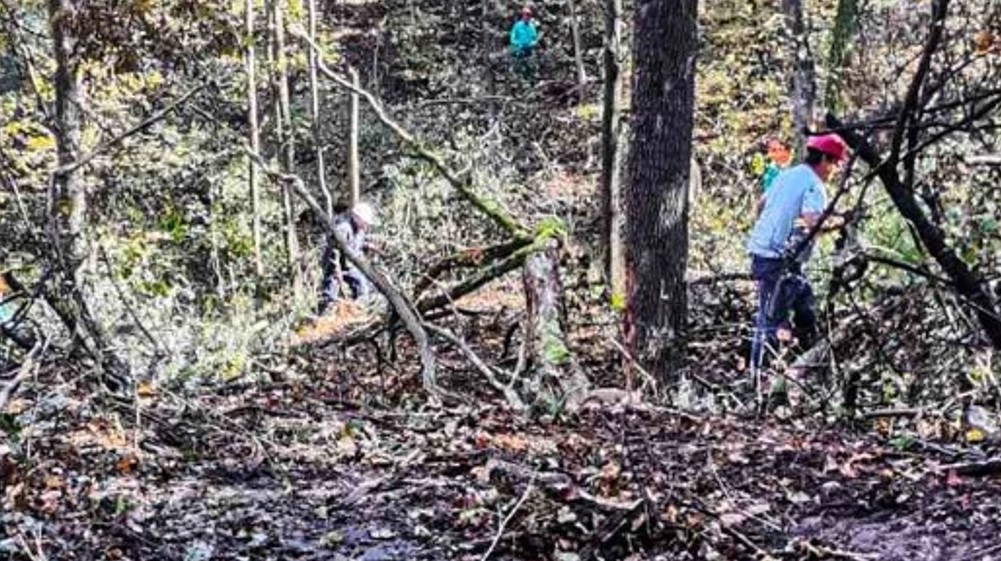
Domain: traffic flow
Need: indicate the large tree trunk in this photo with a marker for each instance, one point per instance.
(657, 194)
(611, 159)
(314, 95)
(255, 136)
(803, 81)
(554, 381)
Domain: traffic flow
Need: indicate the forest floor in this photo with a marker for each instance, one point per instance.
(304, 468)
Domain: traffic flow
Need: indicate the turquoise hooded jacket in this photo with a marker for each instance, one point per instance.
(523, 36)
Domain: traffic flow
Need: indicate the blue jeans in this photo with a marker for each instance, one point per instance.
(330, 286)
(331, 290)
(781, 290)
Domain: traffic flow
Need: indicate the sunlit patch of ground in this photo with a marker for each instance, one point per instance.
(494, 297)
(345, 316)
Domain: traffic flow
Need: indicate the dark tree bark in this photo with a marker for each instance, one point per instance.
(611, 157)
(253, 132)
(314, 98)
(285, 135)
(841, 37)
(657, 194)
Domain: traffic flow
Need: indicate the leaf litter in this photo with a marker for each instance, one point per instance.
(284, 471)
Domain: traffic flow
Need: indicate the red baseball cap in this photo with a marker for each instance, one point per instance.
(830, 144)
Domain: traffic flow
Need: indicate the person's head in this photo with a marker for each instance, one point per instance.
(778, 152)
(824, 153)
(365, 215)
(526, 13)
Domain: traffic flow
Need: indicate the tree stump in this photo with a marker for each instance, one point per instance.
(553, 381)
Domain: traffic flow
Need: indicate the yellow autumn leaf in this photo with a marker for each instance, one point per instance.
(347, 446)
(618, 302)
(41, 143)
(975, 435)
(145, 389)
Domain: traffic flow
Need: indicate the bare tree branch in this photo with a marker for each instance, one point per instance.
(939, 11)
(27, 369)
(966, 282)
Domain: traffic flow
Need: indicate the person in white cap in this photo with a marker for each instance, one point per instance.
(353, 226)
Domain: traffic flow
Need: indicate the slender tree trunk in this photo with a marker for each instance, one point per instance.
(68, 202)
(841, 37)
(803, 75)
(659, 165)
(215, 262)
(578, 50)
(354, 162)
(488, 47)
(314, 94)
(611, 159)
(255, 136)
(286, 140)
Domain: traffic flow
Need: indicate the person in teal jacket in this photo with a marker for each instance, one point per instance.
(524, 38)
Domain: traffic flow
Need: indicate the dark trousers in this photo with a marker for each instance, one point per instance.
(781, 290)
(525, 64)
(330, 289)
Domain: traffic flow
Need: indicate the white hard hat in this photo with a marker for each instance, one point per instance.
(366, 213)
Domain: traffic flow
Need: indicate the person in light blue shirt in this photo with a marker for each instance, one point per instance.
(524, 38)
(786, 213)
(794, 194)
(6, 308)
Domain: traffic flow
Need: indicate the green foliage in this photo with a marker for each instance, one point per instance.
(886, 231)
(554, 350)
(902, 443)
(551, 227)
